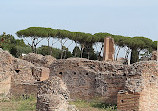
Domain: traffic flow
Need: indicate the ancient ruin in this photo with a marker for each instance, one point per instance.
(109, 50)
(87, 79)
(141, 89)
(17, 77)
(56, 82)
(53, 95)
(39, 60)
(154, 55)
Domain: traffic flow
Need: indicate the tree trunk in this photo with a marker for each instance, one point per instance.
(118, 53)
(61, 49)
(82, 48)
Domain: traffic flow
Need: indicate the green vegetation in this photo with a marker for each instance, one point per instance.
(93, 106)
(135, 45)
(29, 104)
(18, 104)
(45, 50)
(15, 46)
(132, 45)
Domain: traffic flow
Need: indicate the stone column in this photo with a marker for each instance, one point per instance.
(109, 50)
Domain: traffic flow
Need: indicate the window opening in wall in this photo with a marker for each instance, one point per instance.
(87, 73)
(60, 73)
(17, 70)
(122, 101)
(137, 83)
(74, 73)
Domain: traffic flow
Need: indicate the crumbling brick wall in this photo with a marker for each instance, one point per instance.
(17, 76)
(142, 87)
(39, 60)
(128, 101)
(52, 95)
(5, 86)
(88, 79)
(154, 55)
(23, 90)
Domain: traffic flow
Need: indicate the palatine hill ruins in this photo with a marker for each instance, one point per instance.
(56, 82)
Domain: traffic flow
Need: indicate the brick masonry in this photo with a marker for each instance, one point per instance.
(88, 79)
(141, 89)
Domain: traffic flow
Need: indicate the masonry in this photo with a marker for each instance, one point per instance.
(133, 87)
(87, 79)
(141, 89)
(18, 77)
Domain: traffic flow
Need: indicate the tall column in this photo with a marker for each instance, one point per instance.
(108, 54)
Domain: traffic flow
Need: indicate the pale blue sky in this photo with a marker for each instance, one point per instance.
(123, 17)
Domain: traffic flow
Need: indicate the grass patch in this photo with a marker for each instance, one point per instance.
(93, 106)
(18, 104)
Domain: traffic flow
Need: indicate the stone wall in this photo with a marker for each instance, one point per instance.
(128, 101)
(88, 79)
(39, 60)
(23, 90)
(6, 70)
(141, 88)
(154, 55)
(52, 95)
(17, 77)
(5, 86)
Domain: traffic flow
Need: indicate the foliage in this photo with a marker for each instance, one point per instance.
(65, 53)
(134, 56)
(44, 50)
(76, 52)
(154, 45)
(15, 46)
(88, 52)
(84, 39)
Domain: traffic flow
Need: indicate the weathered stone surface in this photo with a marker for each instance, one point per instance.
(40, 73)
(141, 89)
(6, 70)
(20, 78)
(39, 60)
(154, 55)
(72, 108)
(87, 79)
(108, 54)
(52, 95)
(17, 76)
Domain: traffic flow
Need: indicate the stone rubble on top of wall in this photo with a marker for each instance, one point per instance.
(39, 60)
(88, 79)
(154, 55)
(91, 65)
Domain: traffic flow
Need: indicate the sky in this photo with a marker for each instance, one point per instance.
(121, 17)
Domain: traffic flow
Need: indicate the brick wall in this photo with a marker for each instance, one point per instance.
(5, 85)
(127, 101)
(141, 87)
(87, 79)
(23, 90)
